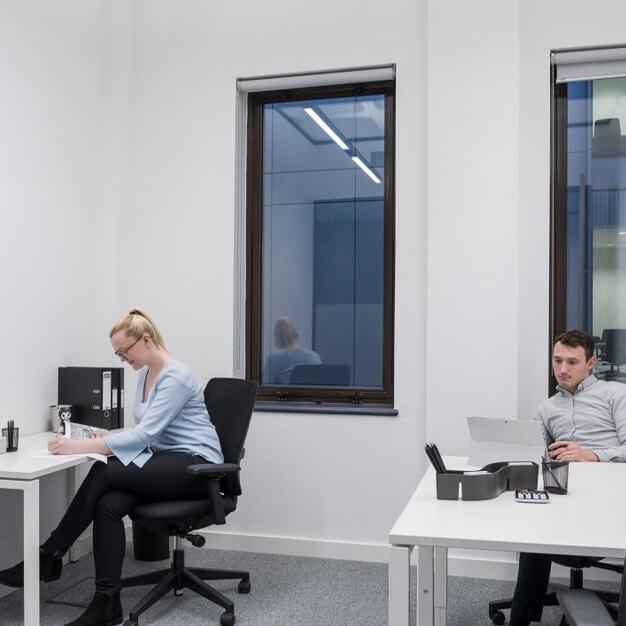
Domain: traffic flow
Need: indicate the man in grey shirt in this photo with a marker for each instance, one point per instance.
(585, 420)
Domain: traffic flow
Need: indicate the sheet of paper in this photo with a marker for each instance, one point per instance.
(44, 453)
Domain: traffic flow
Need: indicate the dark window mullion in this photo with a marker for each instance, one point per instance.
(558, 225)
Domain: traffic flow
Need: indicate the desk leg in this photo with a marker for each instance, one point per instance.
(399, 576)
(425, 586)
(440, 591)
(30, 490)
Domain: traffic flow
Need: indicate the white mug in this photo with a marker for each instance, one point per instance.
(55, 420)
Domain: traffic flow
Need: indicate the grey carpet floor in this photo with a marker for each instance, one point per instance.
(286, 591)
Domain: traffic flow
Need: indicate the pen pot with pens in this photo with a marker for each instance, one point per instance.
(487, 482)
(11, 433)
(555, 473)
(555, 476)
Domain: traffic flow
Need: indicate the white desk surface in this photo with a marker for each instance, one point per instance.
(20, 465)
(589, 520)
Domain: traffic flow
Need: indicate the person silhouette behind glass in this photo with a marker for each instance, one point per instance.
(289, 353)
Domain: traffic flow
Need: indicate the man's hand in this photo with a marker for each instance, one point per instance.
(570, 451)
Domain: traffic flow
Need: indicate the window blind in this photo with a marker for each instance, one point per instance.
(589, 63)
(317, 79)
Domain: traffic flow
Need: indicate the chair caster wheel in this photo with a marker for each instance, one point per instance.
(498, 618)
(244, 586)
(227, 618)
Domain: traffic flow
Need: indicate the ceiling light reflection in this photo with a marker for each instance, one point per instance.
(326, 128)
(366, 169)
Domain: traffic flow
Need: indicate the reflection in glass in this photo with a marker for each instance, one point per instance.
(596, 218)
(323, 235)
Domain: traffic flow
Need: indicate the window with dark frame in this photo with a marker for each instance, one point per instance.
(320, 221)
(588, 220)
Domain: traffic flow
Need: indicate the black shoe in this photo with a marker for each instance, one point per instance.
(103, 610)
(50, 566)
(519, 622)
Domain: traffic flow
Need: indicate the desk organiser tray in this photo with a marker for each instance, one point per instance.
(488, 482)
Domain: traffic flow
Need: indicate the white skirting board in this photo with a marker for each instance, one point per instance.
(471, 563)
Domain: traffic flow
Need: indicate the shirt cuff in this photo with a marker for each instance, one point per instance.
(603, 455)
(128, 447)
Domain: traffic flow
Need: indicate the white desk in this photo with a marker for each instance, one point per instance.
(19, 471)
(588, 521)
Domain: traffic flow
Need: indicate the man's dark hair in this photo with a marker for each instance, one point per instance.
(576, 338)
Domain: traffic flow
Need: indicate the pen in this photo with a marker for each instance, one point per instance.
(435, 458)
(544, 432)
(431, 457)
(439, 459)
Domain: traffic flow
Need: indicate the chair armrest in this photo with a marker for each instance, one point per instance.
(582, 607)
(215, 470)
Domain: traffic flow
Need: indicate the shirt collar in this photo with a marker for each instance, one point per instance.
(582, 385)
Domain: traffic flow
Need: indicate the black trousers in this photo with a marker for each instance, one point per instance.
(108, 493)
(533, 577)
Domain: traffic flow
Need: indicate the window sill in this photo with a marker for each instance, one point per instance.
(314, 407)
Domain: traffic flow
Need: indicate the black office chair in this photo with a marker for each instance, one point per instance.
(614, 352)
(582, 607)
(576, 565)
(230, 402)
(324, 374)
(607, 138)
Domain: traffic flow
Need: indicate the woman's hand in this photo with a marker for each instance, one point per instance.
(63, 445)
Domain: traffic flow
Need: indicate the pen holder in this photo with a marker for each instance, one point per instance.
(492, 480)
(555, 476)
(55, 419)
(12, 438)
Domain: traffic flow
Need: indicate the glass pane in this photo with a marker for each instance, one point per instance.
(322, 274)
(596, 218)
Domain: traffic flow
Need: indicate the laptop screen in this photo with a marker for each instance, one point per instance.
(496, 439)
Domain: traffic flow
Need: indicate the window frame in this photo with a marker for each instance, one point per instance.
(353, 397)
(558, 208)
(558, 217)
(570, 66)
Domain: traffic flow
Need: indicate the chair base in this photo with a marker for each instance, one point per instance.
(496, 607)
(177, 578)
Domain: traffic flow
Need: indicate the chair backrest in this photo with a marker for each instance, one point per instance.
(320, 374)
(608, 127)
(230, 402)
(615, 349)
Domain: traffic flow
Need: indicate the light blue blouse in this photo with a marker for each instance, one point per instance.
(174, 418)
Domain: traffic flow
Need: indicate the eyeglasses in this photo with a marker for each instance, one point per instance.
(122, 354)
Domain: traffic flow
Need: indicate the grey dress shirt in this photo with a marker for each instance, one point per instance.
(594, 416)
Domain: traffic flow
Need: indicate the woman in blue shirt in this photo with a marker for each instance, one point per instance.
(173, 430)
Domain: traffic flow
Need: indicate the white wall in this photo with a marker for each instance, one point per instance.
(473, 212)
(58, 254)
(310, 477)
